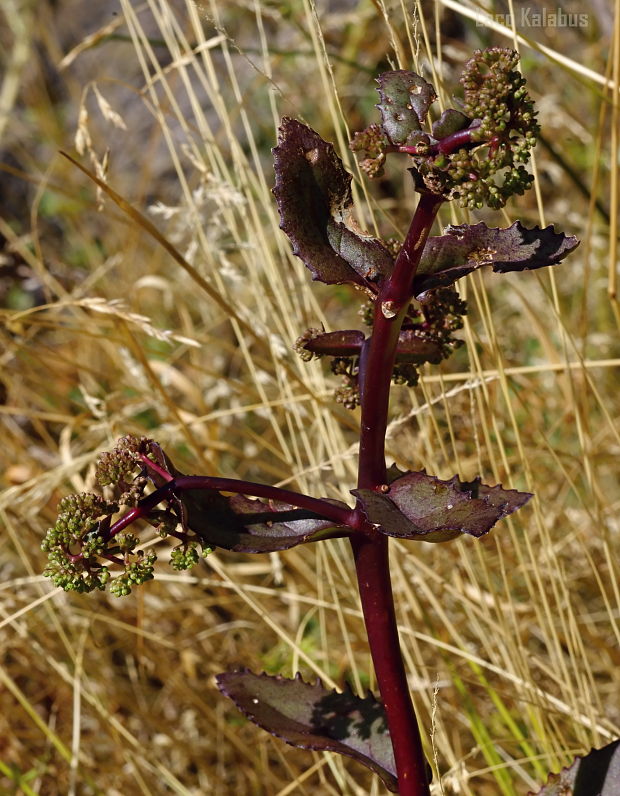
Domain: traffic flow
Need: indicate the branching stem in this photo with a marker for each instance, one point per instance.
(339, 514)
(445, 146)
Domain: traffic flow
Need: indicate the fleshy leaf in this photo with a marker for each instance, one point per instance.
(465, 248)
(405, 100)
(424, 508)
(594, 774)
(245, 525)
(313, 193)
(345, 343)
(311, 717)
(412, 348)
(449, 122)
(365, 254)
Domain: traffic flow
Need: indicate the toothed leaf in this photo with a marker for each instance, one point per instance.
(594, 774)
(464, 249)
(405, 100)
(424, 508)
(312, 717)
(313, 194)
(245, 525)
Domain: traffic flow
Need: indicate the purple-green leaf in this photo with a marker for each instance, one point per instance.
(465, 248)
(311, 717)
(413, 348)
(345, 343)
(366, 255)
(424, 508)
(245, 525)
(449, 122)
(594, 774)
(405, 100)
(313, 194)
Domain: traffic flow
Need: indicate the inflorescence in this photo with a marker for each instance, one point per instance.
(428, 331)
(475, 155)
(87, 550)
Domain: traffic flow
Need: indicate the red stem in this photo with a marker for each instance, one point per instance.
(445, 145)
(371, 551)
(373, 574)
(379, 351)
(341, 515)
(370, 548)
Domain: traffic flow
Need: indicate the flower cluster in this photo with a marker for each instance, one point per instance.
(372, 144)
(184, 556)
(76, 541)
(299, 347)
(496, 97)
(475, 156)
(135, 572)
(117, 468)
(87, 551)
(441, 314)
(120, 463)
(348, 394)
(495, 93)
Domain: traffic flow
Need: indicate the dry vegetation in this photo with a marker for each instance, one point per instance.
(512, 642)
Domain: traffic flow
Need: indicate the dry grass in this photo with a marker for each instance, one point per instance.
(512, 642)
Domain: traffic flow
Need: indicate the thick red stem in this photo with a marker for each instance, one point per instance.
(371, 551)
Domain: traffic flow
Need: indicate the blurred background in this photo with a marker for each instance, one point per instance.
(511, 641)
